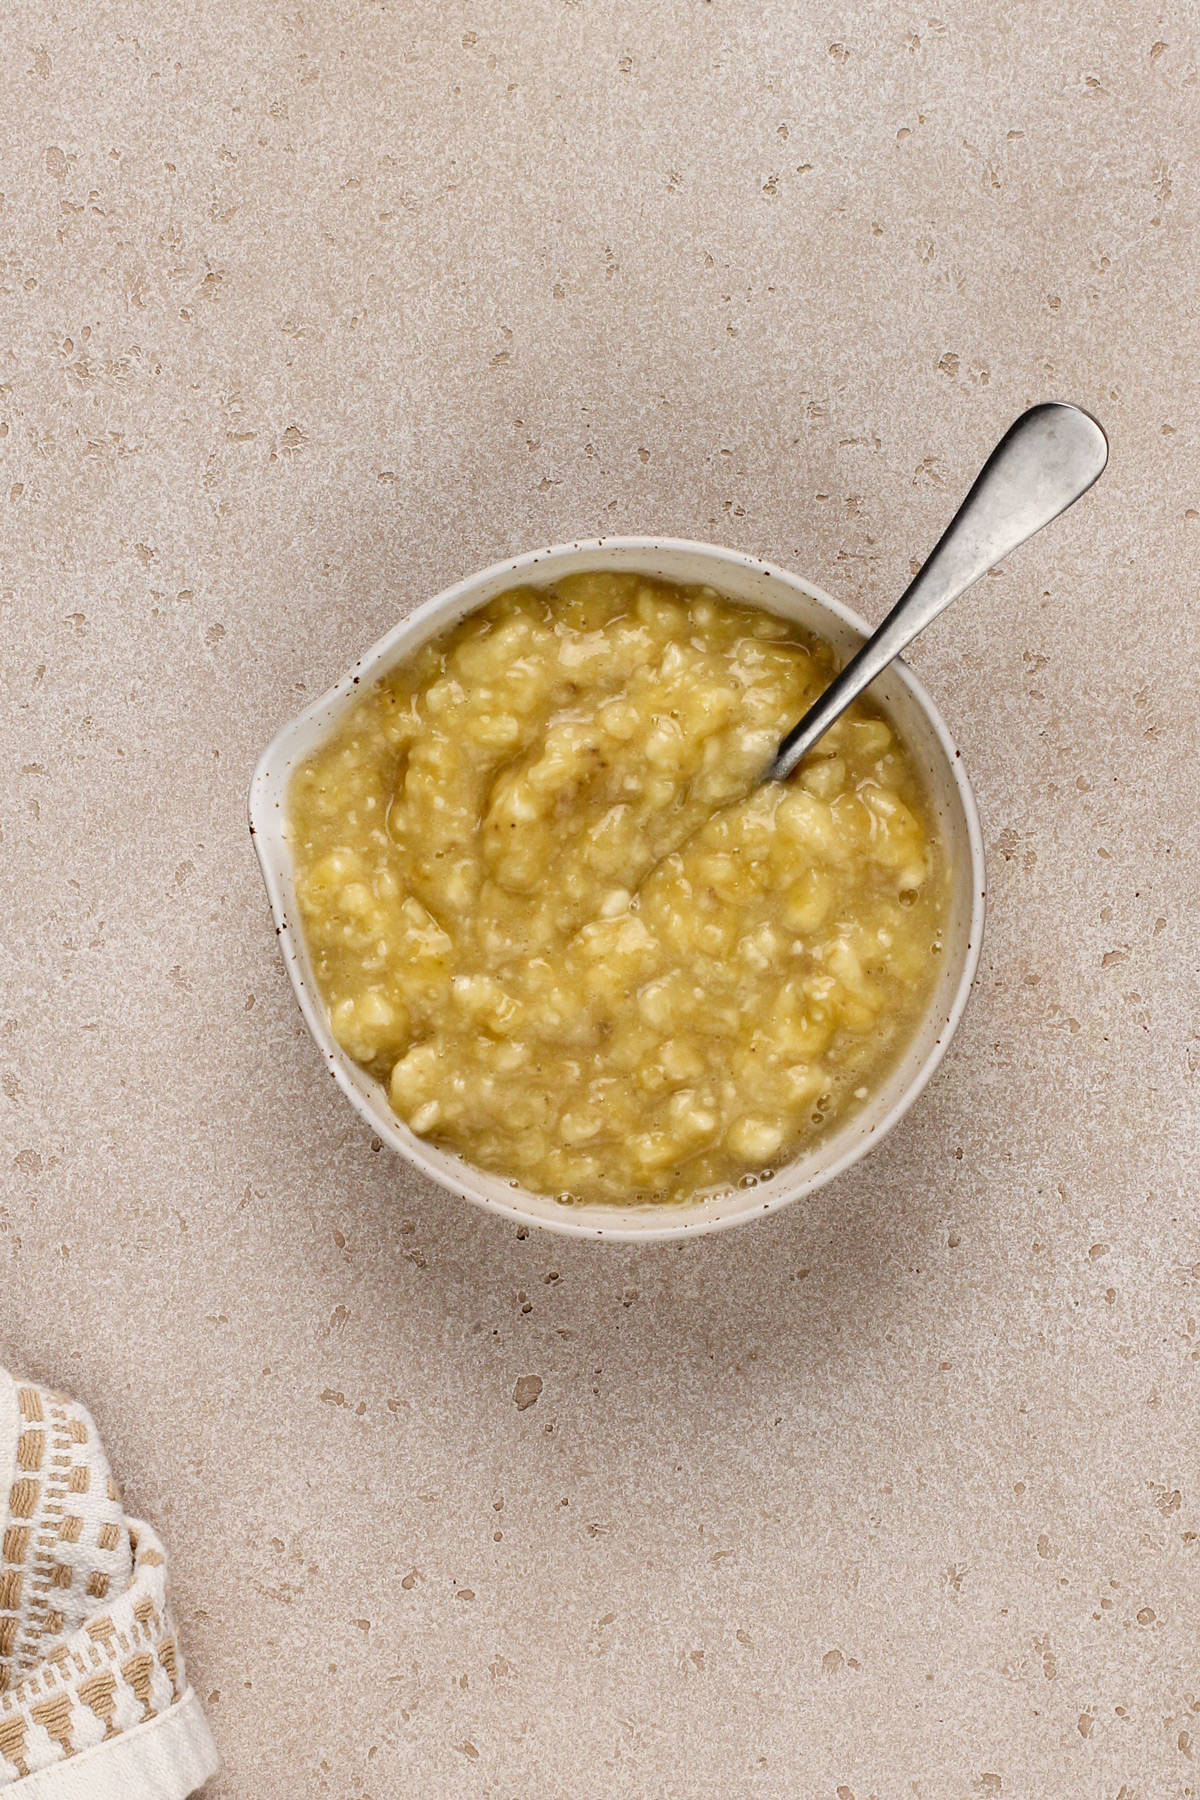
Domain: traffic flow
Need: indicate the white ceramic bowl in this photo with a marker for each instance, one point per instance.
(919, 723)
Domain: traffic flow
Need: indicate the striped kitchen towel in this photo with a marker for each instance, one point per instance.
(94, 1703)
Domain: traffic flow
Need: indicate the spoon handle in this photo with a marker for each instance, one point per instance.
(1043, 463)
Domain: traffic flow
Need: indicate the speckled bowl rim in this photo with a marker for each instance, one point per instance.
(634, 1223)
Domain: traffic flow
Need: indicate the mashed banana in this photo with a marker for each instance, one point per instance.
(548, 907)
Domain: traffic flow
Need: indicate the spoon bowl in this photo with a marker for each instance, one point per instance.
(951, 806)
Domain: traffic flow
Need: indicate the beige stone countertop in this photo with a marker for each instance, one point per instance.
(308, 310)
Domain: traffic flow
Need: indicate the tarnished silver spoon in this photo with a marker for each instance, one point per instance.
(1049, 457)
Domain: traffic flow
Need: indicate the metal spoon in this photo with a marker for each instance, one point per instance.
(1049, 457)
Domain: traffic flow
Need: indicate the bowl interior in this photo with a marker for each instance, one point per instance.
(897, 692)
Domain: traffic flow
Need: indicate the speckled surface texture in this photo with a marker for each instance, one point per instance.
(308, 310)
